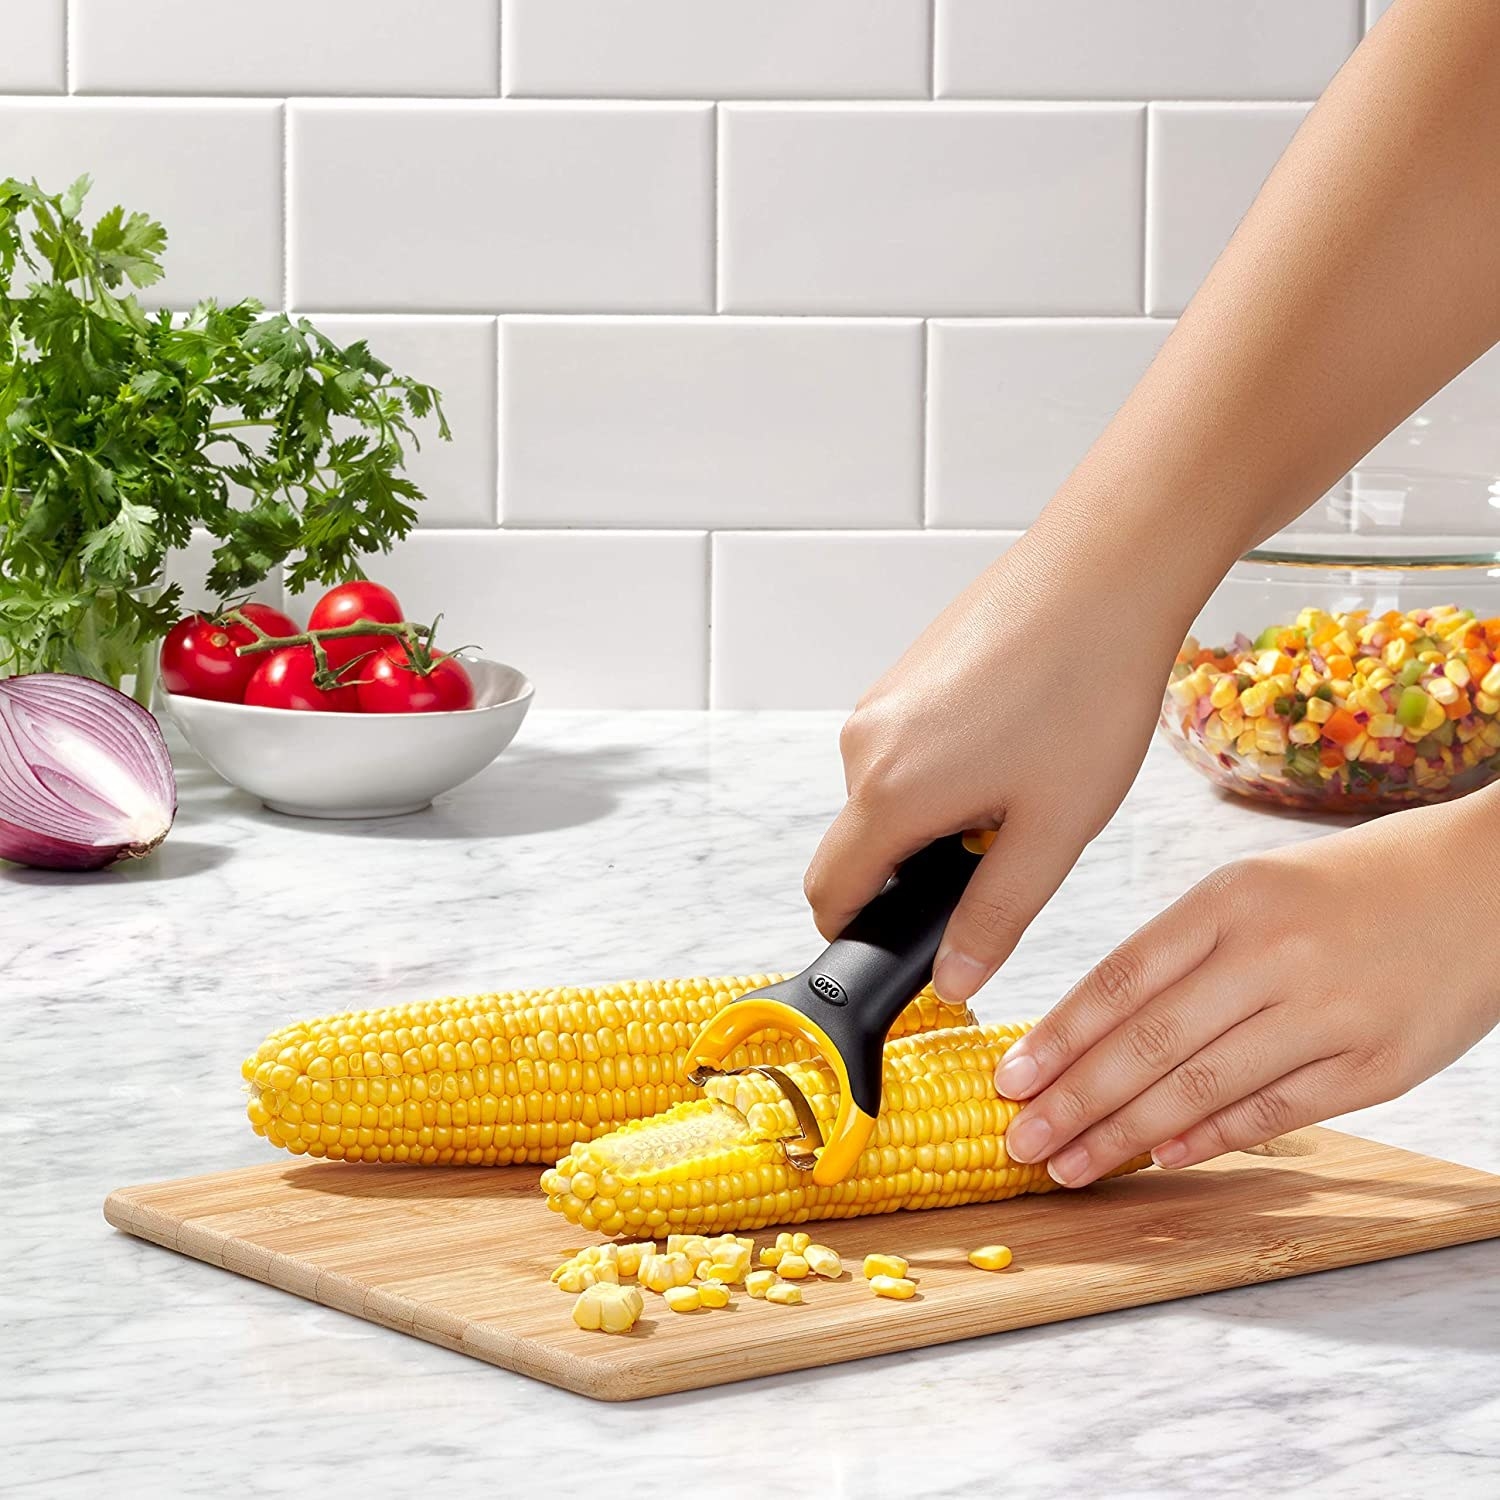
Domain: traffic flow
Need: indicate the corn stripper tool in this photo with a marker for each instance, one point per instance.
(843, 1004)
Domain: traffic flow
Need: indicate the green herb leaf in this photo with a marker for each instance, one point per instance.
(123, 432)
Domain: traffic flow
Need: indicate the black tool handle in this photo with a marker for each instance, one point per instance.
(877, 966)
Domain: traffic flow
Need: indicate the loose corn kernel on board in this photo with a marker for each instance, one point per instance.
(461, 1257)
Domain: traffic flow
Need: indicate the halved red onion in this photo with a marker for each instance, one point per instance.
(85, 778)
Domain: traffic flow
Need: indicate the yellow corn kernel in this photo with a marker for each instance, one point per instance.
(1487, 703)
(694, 1246)
(1224, 692)
(770, 1255)
(1440, 690)
(1384, 727)
(793, 1267)
(990, 1257)
(757, 1283)
(784, 1293)
(713, 1294)
(883, 1265)
(1397, 654)
(658, 1272)
(800, 1241)
(683, 1299)
(822, 1261)
(1319, 710)
(608, 1308)
(1457, 672)
(631, 1255)
(1303, 733)
(730, 1262)
(1368, 700)
(1434, 718)
(897, 1287)
(1490, 683)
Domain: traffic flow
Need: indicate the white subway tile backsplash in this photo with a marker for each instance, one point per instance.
(1207, 164)
(188, 567)
(285, 47)
(936, 208)
(1456, 432)
(531, 207)
(812, 620)
(1142, 49)
(1012, 407)
(717, 49)
(458, 356)
(711, 421)
(595, 619)
(210, 171)
(32, 49)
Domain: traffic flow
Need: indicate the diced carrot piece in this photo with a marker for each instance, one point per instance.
(1492, 631)
(1479, 664)
(1460, 707)
(1342, 727)
(1406, 755)
(1331, 757)
(1340, 668)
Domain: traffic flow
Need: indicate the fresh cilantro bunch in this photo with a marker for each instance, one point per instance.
(122, 431)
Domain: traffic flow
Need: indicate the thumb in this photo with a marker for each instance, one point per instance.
(1014, 881)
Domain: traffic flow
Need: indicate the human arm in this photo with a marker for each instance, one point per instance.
(1366, 275)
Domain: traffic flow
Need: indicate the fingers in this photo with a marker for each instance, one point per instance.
(1246, 1059)
(1167, 1032)
(858, 854)
(1302, 1097)
(1163, 953)
(1014, 881)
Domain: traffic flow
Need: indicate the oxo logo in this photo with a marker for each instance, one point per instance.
(830, 989)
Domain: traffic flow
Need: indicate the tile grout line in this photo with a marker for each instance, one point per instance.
(932, 27)
(709, 549)
(286, 205)
(1146, 236)
(924, 441)
(716, 195)
(498, 498)
(67, 46)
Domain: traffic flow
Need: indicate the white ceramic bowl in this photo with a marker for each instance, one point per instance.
(315, 765)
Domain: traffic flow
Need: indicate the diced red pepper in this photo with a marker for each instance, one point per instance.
(1342, 727)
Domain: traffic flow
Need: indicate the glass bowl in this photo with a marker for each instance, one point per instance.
(1357, 670)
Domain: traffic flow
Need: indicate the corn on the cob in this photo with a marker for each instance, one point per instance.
(717, 1163)
(496, 1079)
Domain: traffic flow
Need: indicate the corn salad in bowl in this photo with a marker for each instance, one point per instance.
(1344, 710)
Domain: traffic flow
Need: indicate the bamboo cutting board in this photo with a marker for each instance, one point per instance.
(461, 1256)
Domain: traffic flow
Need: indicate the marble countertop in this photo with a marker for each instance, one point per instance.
(602, 846)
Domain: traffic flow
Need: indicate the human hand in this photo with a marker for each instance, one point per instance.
(1280, 991)
(1004, 715)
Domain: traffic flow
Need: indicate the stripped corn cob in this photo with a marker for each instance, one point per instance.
(496, 1079)
(716, 1163)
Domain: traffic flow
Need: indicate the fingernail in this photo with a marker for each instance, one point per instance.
(956, 976)
(1069, 1166)
(1028, 1138)
(1170, 1153)
(1016, 1076)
